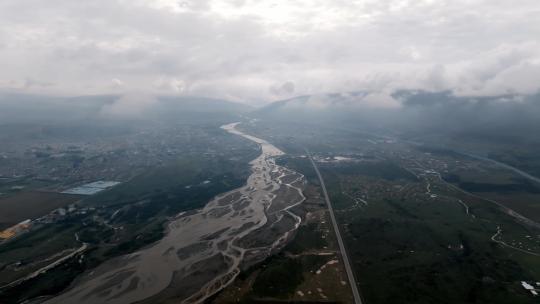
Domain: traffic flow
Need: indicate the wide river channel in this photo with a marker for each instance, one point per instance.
(203, 250)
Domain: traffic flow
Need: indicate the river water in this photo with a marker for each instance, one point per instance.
(204, 250)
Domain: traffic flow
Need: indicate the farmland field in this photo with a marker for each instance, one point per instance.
(31, 205)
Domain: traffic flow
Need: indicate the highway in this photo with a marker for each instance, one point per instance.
(345, 258)
(506, 166)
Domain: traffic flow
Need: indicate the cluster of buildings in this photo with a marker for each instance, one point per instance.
(532, 289)
(61, 213)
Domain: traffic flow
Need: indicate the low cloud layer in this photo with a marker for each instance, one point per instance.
(129, 106)
(259, 51)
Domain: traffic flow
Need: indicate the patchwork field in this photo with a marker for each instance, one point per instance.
(30, 205)
(415, 237)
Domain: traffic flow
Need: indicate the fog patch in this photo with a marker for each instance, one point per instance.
(380, 100)
(129, 106)
(284, 89)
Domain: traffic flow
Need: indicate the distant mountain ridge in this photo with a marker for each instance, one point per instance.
(18, 108)
(505, 128)
(414, 109)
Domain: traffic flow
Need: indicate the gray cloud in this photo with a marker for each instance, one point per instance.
(244, 50)
(286, 89)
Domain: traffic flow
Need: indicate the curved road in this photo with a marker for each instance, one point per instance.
(346, 262)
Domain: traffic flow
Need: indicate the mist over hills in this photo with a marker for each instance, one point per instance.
(419, 114)
(436, 117)
(504, 128)
(37, 117)
(20, 108)
(412, 115)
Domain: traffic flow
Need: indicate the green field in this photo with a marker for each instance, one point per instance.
(407, 245)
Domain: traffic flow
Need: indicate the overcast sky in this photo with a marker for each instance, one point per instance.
(261, 50)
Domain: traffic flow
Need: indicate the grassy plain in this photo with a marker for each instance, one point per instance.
(411, 246)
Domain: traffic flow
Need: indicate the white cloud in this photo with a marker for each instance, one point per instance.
(381, 100)
(117, 83)
(248, 50)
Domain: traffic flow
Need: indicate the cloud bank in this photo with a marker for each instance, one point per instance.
(259, 51)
